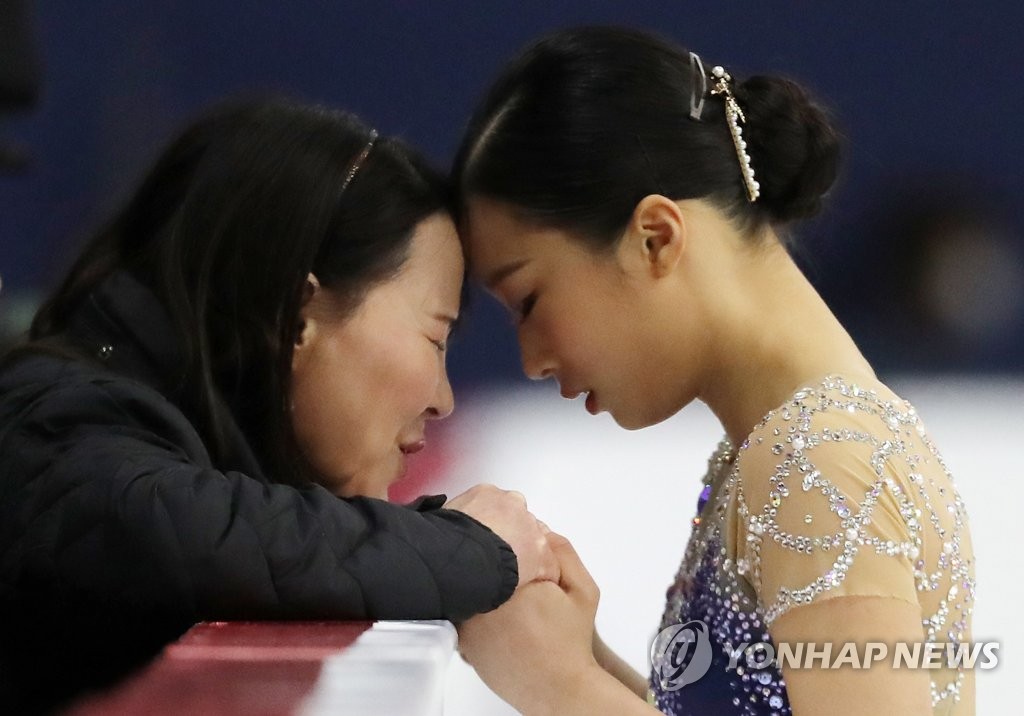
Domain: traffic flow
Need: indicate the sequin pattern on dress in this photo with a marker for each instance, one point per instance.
(836, 482)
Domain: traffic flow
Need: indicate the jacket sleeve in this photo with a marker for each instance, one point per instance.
(106, 491)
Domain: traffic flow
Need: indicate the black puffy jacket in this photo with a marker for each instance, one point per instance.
(118, 531)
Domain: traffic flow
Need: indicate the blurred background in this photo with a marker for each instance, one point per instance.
(920, 252)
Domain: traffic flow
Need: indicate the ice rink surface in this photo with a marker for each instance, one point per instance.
(626, 499)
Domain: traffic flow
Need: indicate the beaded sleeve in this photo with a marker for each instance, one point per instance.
(840, 492)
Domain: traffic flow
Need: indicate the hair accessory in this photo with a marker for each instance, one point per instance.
(359, 160)
(733, 117)
(697, 106)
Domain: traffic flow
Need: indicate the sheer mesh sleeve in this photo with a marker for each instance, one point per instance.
(824, 508)
(841, 492)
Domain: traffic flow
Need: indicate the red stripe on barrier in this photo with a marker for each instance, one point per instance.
(229, 669)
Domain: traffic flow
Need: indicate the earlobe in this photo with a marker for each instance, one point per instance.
(305, 335)
(660, 224)
(307, 322)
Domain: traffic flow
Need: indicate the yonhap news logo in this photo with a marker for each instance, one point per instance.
(682, 653)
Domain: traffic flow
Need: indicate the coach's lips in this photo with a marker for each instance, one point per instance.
(592, 406)
(412, 447)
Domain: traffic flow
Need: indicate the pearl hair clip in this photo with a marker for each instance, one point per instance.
(733, 117)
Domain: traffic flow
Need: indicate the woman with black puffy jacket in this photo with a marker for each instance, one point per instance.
(208, 412)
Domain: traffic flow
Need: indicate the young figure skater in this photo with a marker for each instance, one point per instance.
(258, 334)
(629, 204)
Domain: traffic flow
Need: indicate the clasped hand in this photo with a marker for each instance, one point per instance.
(504, 511)
(535, 650)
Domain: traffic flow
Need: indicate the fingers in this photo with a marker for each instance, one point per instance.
(550, 568)
(516, 495)
(575, 579)
(504, 512)
(486, 495)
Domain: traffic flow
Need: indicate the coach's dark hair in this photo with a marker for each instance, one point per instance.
(586, 122)
(225, 229)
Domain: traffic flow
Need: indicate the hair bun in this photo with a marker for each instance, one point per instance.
(794, 148)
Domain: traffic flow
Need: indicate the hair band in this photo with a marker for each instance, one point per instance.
(359, 160)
